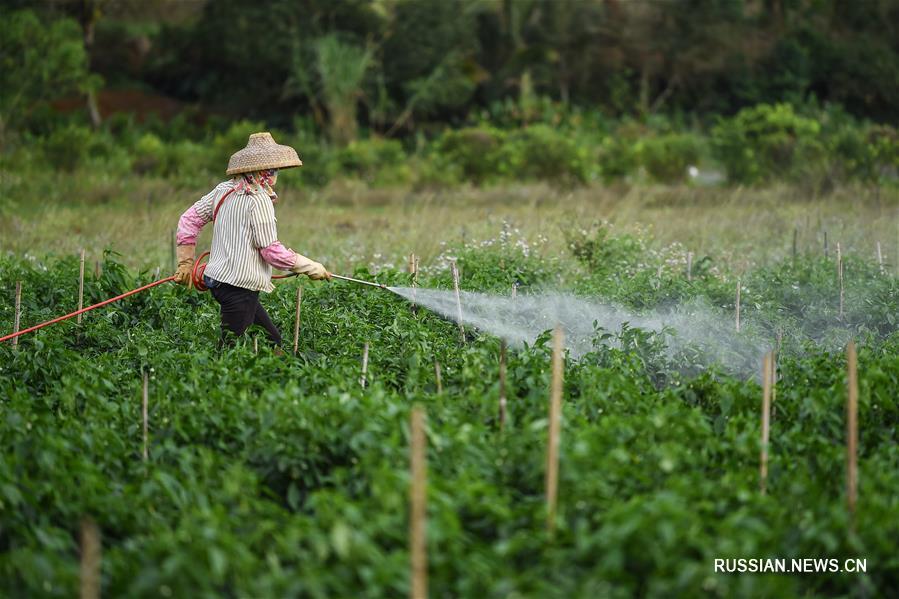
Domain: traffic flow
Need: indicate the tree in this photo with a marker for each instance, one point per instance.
(340, 69)
(429, 57)
(38, 62)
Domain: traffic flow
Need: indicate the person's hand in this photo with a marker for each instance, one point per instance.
(185, 264)
(312, 269)
(322, 275)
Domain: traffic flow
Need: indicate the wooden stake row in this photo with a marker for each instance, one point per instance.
(458, 299)
(144, 402)
(418, 506)
(438, 378)
(362, 380)
(81, 285)
(296, 322)
(502, 384)
(91, 554)
(851, 432)
(17, 313)
(766, 419)
(413, 271)
(840, 277)
(552, 447)
(768, 394)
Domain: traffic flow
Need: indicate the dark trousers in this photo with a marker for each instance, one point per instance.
(240, 309)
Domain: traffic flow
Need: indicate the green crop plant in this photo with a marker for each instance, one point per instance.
(281, 476)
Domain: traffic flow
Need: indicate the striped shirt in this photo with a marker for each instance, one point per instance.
(244, 225)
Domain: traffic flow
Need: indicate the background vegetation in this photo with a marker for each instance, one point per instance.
(431, 94)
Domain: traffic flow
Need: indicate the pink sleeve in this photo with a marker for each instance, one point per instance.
(279, 256)
(189, 226)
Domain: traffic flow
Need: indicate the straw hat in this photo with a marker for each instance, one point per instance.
(262, 153)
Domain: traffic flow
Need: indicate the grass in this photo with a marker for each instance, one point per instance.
(347, 224)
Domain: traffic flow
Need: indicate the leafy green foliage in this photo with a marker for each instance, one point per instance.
(763, 142)
(280, 476)
(475, 152)
(38, 62)
(376, 161)
(667, 157)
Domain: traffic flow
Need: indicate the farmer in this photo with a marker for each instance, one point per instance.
(245, 243)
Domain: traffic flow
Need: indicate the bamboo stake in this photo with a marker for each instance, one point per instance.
(880, 257)
(17, 314)
(255, 345)
(502, 384)
(296, 322)
(91, 553)
(144, 410)
(852, 432)
(774, 358)
(413, 270)
(81, 285)
(766, 418)
(795, 236)
(552, 448)
(96, 269)
(689, 266)
(739, 285)
(174, 251)
(418, 507)
(438, 378)
(458, 299)
(364, 364)
(840, 277)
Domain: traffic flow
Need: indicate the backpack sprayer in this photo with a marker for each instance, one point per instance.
(196, 279)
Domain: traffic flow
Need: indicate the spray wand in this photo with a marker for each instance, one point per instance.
(361, 282)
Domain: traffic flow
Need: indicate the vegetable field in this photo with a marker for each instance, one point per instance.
(280, 476)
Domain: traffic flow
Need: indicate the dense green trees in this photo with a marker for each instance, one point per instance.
(37, 63)
(477, 91)
(434, 61)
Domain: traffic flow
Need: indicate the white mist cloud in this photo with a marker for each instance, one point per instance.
(692, 326)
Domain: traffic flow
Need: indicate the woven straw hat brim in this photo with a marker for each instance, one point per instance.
(262, 153)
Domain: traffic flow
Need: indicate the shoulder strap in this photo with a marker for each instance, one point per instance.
(221, 201)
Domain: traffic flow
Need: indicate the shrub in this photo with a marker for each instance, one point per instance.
(376, 161)
(541, 152)
(66, 147)
(188, 162)
(884, 143)
(475, 151)
(603, 253)
(667, 157)
(149, 154)
(618, 158)
(764, 142)
(320, 163)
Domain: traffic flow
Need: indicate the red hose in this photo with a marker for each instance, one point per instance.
(196, 277)
(88, 309)
(196, 274)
